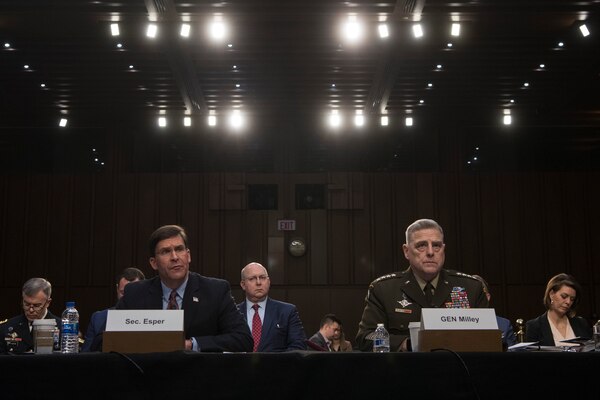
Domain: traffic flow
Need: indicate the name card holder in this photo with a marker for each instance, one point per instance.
(144, 331)
(459, 329)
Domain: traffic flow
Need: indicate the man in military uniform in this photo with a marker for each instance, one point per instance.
(397, 299)
(16, 332)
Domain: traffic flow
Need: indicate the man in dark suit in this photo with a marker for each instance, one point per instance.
(212, 322)
(16, 332)
(275, 325)
(97, 325)
(329, 327)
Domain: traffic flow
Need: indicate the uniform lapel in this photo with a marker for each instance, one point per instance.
(411, 288)
(442, 291)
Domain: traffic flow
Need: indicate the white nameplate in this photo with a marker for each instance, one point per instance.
(144, 320)
(458, 318)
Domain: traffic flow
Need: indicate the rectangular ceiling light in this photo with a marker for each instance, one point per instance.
(187, 121)
(185, 30)
(212, 120)
(383, 31)
(584, 30)
(151, 31)
(62, 123)
(384, 120)
(455, 31)
(114, 29)
(408, 121)
(507, 120)
(162, 122)
(417, 30)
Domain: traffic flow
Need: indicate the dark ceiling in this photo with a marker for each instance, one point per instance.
(287, 57)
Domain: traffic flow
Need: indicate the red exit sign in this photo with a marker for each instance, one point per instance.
(286, 225)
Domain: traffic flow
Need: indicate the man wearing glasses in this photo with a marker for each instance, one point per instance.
(275, 325)
(212, 322)
(16, 332)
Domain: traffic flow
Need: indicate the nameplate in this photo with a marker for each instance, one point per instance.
(458, 318)
(144, 320)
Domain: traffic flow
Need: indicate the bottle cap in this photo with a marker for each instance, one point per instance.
(379, 324)
(70, 304)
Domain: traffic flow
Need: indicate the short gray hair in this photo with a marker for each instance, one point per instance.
(35, 285)
(421, 224)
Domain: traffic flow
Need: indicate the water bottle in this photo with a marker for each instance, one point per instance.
(381, 340)
(597, 336)
(70, 329)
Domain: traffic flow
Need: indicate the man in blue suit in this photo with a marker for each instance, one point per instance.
(508, 334)
(97, 325)
(275, 325)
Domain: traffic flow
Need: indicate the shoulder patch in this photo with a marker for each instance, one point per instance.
(461, 274)
(383, 278)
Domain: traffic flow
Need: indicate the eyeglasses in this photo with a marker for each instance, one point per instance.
(34, 307)
(257, 278)
(167, 251)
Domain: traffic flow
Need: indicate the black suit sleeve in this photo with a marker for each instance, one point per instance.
(533, 331)
(233, 333)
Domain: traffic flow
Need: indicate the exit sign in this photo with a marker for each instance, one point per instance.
(286, 225)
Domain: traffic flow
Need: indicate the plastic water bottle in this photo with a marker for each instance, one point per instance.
(70, 329)
(381, 340)
(596, 334)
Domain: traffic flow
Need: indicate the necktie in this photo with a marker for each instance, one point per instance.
(173, 301)
(429, 294)
(256, 327)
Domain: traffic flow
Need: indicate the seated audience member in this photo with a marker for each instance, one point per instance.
(339, 342)
(559, 321)
(328, 327)
(212, 321)
(508, 334)
(396, 299)
(97, 325)
(16, 332)
(275, 325)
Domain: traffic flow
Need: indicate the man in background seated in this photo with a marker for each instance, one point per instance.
(275, 325)
(97, 325)
(330, 325)
(16, 332)
(397, 299)
(212, 322)
(508, 335)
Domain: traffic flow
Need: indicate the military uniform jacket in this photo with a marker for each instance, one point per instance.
(16, 336)
(396, 299)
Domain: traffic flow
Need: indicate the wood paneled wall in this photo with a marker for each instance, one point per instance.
(515, 229)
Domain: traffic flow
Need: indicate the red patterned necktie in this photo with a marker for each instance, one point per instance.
(256, 327)
(173, 301)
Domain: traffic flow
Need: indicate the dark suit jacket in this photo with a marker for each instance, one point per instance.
(17, 331)
(320, 341)
(282, 328)
(508, 334)
(93, 334)
(538, 329)
(209, 311)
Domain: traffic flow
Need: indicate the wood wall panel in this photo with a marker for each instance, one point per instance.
(515, 229)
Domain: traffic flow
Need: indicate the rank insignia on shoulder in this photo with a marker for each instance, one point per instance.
(382, 278)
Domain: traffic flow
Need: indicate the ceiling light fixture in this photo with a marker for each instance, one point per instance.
(162, 122)
(585, 32)
(212, 119)
(114, 29)
(417, 30)
(335, 120)
(408, 121)
(455, 30)
(352, 29)
(383, 31)
(217, 29)
(384, 120)
(236, 120)
(185, 30)
(119, 45)
(62, 122)
(187, 121)
(359, 118)
(151, 31)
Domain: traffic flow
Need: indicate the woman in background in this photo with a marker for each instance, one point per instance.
(339, 342)
(559, 322)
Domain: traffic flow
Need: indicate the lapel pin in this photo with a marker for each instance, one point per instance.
(195, 299)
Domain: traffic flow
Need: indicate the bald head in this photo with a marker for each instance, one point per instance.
(255, 282)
